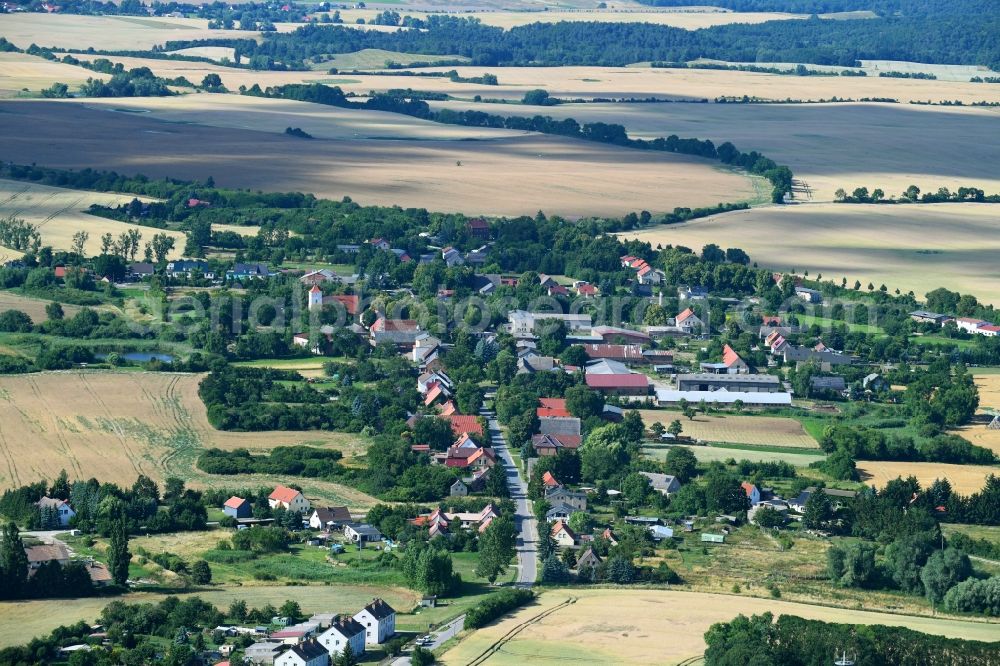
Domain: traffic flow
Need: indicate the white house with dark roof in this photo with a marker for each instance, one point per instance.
(344, 630)
(379, 620)
(61, 508)
(309, 653)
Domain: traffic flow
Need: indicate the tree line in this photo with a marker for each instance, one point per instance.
(913, 35)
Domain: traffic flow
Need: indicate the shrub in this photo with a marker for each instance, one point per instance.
(495, 605)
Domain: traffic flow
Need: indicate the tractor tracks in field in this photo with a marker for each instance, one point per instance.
(510, 635)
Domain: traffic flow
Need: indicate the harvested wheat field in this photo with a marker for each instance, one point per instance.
(965, 479)
(988, 382)
(759, 430)
(650, 627)
(827, 146)
(19, 72)
(554, 174)
(688, 18)
(23, 620)
(117, 425)
(65, 31)
(916, 248)
(58, 213)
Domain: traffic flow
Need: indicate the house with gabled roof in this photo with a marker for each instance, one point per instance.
(552, 407)
(289, 499)
(563, 535)
(752, 492)
(576, 500)
(60, 508)
(237, 507)
(589, 560)
(462, 423)
(379, 620)
(665, 484)
(550, 481)
(329, 517)
(688, 322)
(344, 631)
(309, 653)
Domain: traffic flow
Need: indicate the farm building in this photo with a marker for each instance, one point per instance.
(630, 384)
(237, 507)
(749, 383)
(724, 397)
(288, 499)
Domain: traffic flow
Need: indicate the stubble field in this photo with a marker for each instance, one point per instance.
(59, 213)
(827, 146)
(557, 175)
(918, 248)
(706, 454)
(117, 425)
(111, 32)
(965, 479)
(755, 430)
(650, 627)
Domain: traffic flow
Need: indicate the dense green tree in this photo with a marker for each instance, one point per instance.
(944, 569)
(118, 552)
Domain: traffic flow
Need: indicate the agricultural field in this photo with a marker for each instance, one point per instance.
(20, 621)
(33, 307)
(59, 213)
(754, 430)
(549, 173)
(706, 454)
(916, 248)
(21, 75)
(575, 82)
(117, 425)
(307, 367)
(569, 625)
(689, 18)
(66, 31)
(965, 479)
(377, 59)
(827, 146)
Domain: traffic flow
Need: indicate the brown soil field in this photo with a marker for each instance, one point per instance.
(827, 146)
(117, 425)
(59, 213)
(548, 173)
(652, 626)
(759, 430)
(19, 72)
(965, 479)
(918, 248)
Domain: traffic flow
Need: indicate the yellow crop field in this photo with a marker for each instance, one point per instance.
(19, 72)
(554, 174)
(760, 430)
(66, 31)
(23, 620)
(650, 627)
(117, 425)
(916, 248)
(59, 213)
(964, 479)
(689, 18)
